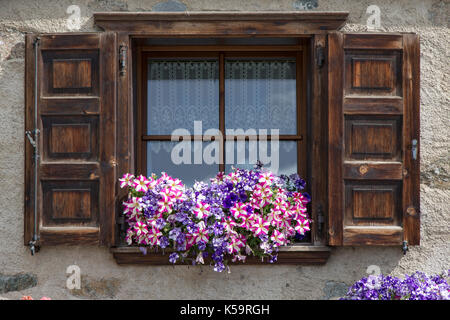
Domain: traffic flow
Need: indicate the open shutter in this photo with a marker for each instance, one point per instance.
(373, 126)
(76, 113)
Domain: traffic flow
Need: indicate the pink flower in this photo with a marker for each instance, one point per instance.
(141, 184)
(278, 238)
(238, 211)
(266, 178)
(165, 204)
(132, 205)
(127, 180)
(140, 228)
(201, 210)
(201, 235)
(260, 226)
(46, 298)
(228, 224)
(154, 236)
(26, 298)
(302, 226)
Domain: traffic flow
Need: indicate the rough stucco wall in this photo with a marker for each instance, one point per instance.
(103, 278)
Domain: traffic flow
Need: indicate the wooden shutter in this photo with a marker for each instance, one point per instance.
(373, 134)
(76, 113)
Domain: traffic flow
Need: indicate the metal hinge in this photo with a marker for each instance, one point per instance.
(320, 218)
(405, 247)
(320, 56)
(414, 149)
(123, 49)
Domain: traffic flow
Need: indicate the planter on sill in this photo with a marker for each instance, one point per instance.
(296, 254)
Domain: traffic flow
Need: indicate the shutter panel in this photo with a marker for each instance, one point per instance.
(373, 133)
(76, 113)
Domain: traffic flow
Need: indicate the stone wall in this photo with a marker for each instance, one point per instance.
(45, 273)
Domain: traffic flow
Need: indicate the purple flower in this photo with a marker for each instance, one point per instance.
(173, 257)
(219, 267)
(160, 223)
(163, 242)
(201, 245)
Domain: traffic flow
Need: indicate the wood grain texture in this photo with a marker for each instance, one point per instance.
(411, 93)
(335, 138)
(223, 24)
(291, 255)
(318, 134)
(74, 73)
(29, 125)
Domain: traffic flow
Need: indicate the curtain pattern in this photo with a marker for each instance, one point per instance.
(179, 92)
(261, 94)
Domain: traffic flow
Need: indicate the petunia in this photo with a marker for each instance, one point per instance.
(141, 184)
(127, 180)
(239, 210)
(278, 238)
(302, 226)
(201, 210)
(260, 226)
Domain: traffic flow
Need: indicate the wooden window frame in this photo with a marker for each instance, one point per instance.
(313, 27)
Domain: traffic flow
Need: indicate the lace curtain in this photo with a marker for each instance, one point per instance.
(261, 94)
(179, 93)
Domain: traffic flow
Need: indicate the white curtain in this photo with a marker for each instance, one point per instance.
(261, 94)
(179, 92)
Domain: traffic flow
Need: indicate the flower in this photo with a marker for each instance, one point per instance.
(242, 213)
(127, 180)
(417, 286)
(141, 184)
(173, 257)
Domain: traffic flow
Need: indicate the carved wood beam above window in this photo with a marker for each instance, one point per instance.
(223, 23)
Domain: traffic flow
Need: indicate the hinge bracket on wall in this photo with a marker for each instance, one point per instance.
(123, 49)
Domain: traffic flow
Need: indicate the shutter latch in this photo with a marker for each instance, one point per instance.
(405, 247)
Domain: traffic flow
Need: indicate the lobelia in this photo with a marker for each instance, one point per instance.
(246, 212)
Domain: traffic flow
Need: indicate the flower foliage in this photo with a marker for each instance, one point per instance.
(246, 212)
(417, 286)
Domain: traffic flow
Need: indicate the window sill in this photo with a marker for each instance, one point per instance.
(297, 254)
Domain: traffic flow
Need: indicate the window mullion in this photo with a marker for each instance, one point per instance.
(222, 109)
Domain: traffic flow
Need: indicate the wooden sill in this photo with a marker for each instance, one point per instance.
(297, 254)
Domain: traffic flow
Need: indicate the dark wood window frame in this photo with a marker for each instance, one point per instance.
(310, 27)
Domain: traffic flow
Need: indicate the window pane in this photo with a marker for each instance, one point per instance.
(285, 163)
(181, 91)
(160, 159)
(261, 94)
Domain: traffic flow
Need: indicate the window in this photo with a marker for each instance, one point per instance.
(252, 102)
(357, 132)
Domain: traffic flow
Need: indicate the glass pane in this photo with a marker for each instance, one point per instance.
(261, 94)
(181, 91)
(180, 162)
(245, 157)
